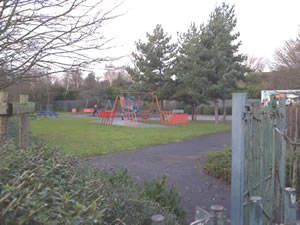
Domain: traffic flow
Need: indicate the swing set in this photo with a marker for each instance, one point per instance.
(133, 108)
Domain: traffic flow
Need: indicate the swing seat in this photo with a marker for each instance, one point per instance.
(145, 114)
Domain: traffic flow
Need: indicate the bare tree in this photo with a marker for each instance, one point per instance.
(256, 64)
(51, 36)
(288, 57)
(113, 73)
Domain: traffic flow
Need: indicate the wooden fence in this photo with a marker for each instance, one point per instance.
(20, 109)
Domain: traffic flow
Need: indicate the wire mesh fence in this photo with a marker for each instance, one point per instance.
(13, 127)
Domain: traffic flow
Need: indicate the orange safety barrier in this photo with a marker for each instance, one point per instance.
(106, 116)
(175, 119)
(88, 110)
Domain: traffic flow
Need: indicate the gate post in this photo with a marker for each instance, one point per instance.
(238, 150)
(290, 206)
(255, 210)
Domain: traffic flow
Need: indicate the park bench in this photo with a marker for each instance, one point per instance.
(175, 119)
(45, 114)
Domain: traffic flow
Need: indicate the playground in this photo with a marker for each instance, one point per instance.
(136, 106)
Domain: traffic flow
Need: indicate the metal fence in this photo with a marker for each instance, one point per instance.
(261, 143)
(13, 127)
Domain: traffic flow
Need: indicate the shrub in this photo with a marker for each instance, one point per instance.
(170, 199)
(40, 186)
(210, 110)
(218, 164)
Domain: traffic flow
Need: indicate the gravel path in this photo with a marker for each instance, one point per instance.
(183, 163)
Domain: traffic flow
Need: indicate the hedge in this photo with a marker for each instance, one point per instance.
(38, 185)
(210, 110)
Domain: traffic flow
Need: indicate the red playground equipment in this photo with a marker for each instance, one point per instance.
(132, 108)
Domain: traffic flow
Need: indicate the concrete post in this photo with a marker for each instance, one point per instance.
(24, 125)
(255, 210)
(217, 211)
(290, 206)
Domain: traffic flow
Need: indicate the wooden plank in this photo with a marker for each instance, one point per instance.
(3, 127)
(4, 108)
(20, 108)
(3, 97)
(24, 108)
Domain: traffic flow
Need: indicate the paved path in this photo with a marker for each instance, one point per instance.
(182, 162)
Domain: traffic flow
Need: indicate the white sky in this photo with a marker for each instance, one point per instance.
(264, 25)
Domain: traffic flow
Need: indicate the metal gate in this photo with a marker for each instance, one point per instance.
(259, 146)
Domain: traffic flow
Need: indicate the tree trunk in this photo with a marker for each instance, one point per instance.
(216, 113)
(162, 105)
(224, 110)
(193, 112)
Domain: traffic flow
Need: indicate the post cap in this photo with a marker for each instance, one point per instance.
(157, 218)
(217, 208)
(255, 198)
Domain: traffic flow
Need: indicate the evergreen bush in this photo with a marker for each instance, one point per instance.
(38, 185)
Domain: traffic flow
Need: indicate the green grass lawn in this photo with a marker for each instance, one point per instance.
(82, 137)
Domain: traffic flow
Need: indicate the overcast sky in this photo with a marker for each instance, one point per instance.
(264, 25)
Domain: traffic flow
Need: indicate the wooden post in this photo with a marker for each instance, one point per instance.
(3, 114)
(24, 125)
(157, 220)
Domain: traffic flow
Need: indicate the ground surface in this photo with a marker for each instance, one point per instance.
(81, 136)
(182, 162)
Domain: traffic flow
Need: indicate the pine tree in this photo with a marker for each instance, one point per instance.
(190, 80)
(222, 63)
(154, 62)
